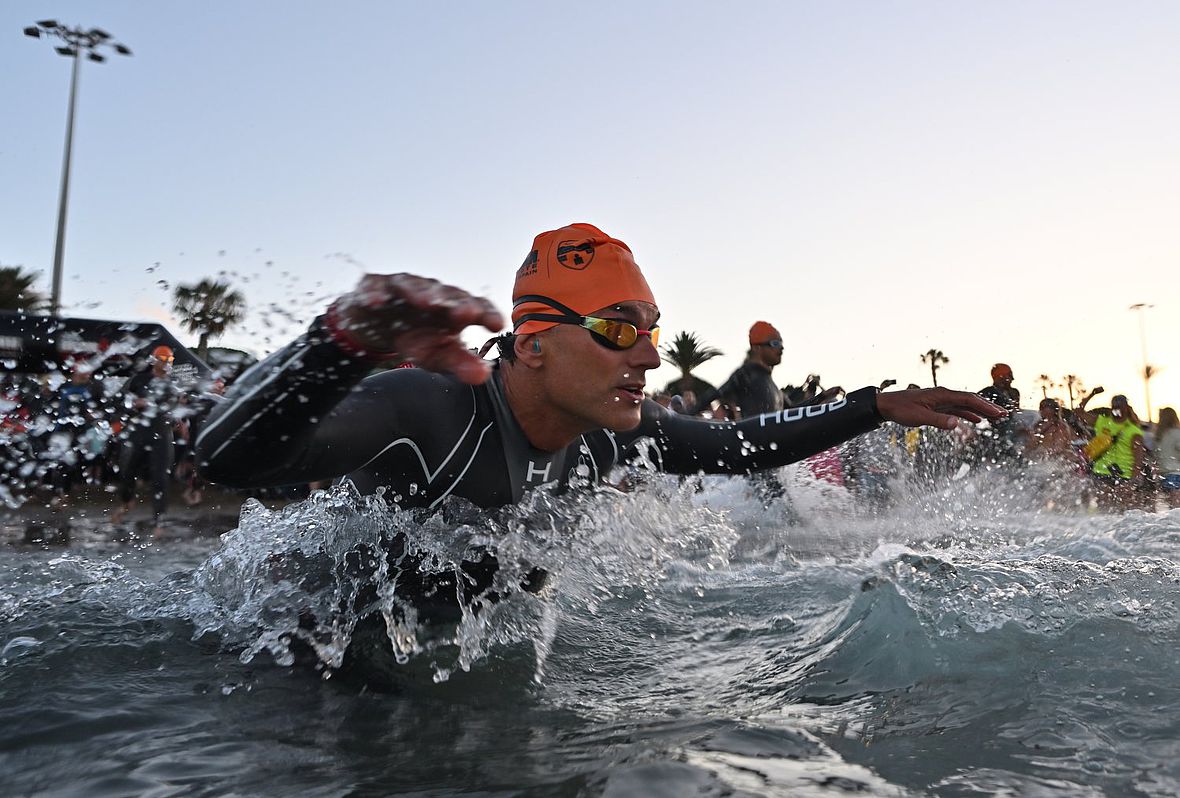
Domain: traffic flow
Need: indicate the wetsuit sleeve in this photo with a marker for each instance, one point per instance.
(298, 416)
(686, 445)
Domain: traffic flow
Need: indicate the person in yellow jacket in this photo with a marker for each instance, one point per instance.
(1117, 450)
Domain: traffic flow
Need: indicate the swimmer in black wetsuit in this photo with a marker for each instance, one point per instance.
(563, 404)
(427, 436)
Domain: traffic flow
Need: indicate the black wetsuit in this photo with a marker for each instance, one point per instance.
(307, 414)
(999, 444)
(148, 445)
(751, 391)
(304, 414)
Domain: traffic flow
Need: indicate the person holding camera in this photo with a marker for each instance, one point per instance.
(1117, 451)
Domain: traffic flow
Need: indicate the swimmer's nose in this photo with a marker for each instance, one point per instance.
(646, 355)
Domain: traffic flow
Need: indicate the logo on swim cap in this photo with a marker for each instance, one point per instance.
(529, 267)
(575, 255)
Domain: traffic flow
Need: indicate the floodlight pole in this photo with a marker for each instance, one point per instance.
(1139, 307)
(59, 246)
(77, 42)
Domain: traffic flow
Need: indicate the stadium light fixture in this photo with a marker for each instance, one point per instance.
(76, 42)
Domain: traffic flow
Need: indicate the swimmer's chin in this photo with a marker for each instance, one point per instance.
(626, 425)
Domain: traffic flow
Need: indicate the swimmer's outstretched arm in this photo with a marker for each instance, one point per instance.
(684, 445)
(300, 415)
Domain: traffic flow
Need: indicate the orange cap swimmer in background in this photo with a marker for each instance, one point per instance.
(162, 353)
(763, 331)
(1001, 370)
(578, 267)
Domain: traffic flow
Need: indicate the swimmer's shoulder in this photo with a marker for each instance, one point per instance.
(418, 390)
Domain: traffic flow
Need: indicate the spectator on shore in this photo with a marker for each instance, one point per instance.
(1167, 455)
(76, 431)
(1058, 462)
(1051, 438)
(1116, 451)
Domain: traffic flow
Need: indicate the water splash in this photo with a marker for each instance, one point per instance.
(306, 576)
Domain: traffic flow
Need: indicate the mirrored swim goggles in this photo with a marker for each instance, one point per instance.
(611, 333)
(773, 343)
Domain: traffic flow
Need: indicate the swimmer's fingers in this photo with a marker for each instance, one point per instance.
(971, 406)
(962, 412)
(386, 307)
(935, 407)
(425, 302)
(431, 350)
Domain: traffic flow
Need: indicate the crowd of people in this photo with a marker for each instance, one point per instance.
(1104, 457)
(86, 430)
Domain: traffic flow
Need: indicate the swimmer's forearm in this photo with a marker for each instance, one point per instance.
(687, 445)
(264, 433)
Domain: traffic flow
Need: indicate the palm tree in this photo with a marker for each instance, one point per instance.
(207, 310)
(937, 360)
(1073, 384)
(1046, 382)
(17, 292)
(686, 352)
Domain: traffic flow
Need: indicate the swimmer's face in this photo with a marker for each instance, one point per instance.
(594, 386)
(768, 355)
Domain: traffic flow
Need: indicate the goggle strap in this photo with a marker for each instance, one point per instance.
(544, 300)
(573, 317)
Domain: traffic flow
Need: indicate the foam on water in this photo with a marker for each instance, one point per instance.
(966, 642)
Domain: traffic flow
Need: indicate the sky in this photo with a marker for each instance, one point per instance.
(998, 180)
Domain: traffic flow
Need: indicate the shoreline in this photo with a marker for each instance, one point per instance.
(85, 515)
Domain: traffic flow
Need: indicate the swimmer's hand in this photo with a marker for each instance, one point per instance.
(417, 318)
(935, 407)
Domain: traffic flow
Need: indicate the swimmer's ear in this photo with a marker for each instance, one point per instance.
(528, 350)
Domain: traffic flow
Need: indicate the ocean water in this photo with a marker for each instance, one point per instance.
(690, 641)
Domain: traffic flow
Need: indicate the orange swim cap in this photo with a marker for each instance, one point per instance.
(163, 353)
(577, 267)
(1001, 370)
(763, 331)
